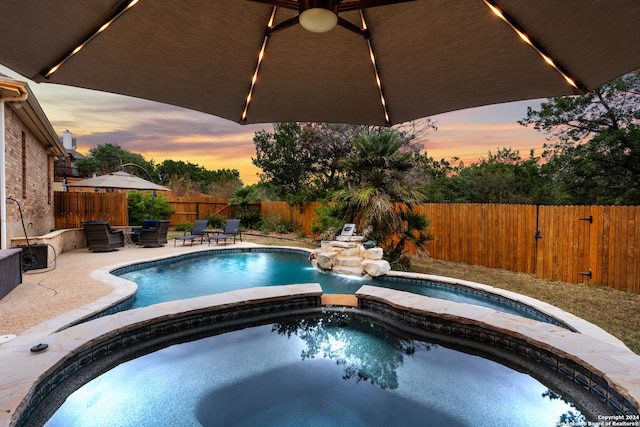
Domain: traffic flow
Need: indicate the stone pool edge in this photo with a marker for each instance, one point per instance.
(610, 373)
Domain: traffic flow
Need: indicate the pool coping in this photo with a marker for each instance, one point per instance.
(615, 370)
(575, 323)
(617, 365)
(580, 325)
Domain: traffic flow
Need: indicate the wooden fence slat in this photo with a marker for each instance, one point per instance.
(554, 267)
(595, 244)
(622, 240)
(488, 230)
(606, 225)
(550, 237)
(567, 234)
(545, 251)
(579, 263)
(634, 280)
(629, 224)
(539, 241)
(611, 260)
(530, 237)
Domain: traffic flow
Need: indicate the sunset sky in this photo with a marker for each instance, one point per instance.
(160, 131)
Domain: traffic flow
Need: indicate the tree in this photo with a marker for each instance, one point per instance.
(333, 142)
(504, 177)
(435, 177)
(224, 187)
(301, 161)
(286, 157)
(108, 158)
(242, 199)
(187, 177)
(377, 196)
(594, 142)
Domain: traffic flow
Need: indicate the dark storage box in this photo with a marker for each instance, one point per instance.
(10, 271)
(34, 257)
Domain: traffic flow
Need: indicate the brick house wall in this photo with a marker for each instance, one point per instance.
(31, 146)
(29, 172)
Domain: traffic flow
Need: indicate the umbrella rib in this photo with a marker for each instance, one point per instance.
(254, 79)
(119, 11)
(287, 4)
(372, 56)
(362, 4)
(498, 11)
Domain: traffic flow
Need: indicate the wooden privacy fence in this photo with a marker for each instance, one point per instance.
(188, 209)
(590, 244)
(302, 216)
(74, 208)
(575, 244)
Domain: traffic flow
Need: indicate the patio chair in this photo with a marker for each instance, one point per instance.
(154, 237)
(198, 231)
(148, 224)
(101, 237)
(231, 229)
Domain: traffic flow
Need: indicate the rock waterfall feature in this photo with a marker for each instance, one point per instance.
(349, 256)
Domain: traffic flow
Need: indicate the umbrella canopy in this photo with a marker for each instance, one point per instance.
(119, 180)
(430, 56)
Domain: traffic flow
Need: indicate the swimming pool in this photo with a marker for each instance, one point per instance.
(333, 369)
(79, 353)
(210, 272)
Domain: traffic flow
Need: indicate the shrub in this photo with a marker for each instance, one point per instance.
(140, 204)
(216, 221)
(184, 226)
(251, 219)
(277, 223)
(328, 221)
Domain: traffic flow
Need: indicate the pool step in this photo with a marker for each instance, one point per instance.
(339, 299)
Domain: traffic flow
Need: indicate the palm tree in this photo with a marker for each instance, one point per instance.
(242, 199)
(377, 196)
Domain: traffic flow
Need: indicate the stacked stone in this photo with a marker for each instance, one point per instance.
(347, 255)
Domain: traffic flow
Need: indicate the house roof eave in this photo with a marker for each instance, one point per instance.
(31, 113)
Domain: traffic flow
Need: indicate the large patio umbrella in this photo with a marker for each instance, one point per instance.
(118, 180)
(431, 56)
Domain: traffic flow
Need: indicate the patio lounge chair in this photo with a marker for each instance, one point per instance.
(154, 236)
(198, 231)
(101, 237)
(231, 229)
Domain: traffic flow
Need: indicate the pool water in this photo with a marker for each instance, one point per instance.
(326, 370)
(205, 275)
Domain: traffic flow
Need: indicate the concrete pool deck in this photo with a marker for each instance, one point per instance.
(80, 285)
(74, 282)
